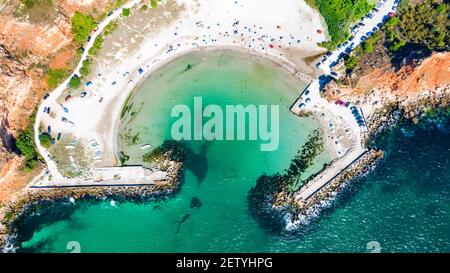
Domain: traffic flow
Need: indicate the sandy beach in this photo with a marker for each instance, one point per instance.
(193, 27)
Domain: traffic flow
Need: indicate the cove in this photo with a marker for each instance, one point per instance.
(403, 204)
(218, 173)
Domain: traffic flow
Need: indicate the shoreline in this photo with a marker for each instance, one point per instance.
(127, 93)
(302, 216)
(298, 213)
(390, 114)
(29, 197)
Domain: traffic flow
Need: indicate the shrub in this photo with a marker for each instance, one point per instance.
(126, 12)
(55, 77)
(45, 140)
(74, 82)
(82, 26)
(85, 68)
(339, 15)
(25, 144)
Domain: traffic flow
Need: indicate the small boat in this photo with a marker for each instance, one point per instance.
(146, 146)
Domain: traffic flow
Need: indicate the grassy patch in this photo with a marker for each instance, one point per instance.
(55, 77)
(339, 16)
(126, 12)
(154, 3)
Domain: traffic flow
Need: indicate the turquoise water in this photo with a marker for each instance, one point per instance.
(403, 204)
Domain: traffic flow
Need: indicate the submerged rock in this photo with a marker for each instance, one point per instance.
(195, 203)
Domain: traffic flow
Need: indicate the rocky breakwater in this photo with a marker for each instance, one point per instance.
(299, 213)
(31, 198)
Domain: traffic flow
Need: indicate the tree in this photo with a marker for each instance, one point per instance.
(126, 12)
(85, 68)
(45, 140)
(25, 144)
(74, 82)
(82, 26)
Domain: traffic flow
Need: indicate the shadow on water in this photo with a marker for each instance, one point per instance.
(260, 204)
(197, 163)
(40, 247)
(195, 204)
(40, 215)
(418, 160)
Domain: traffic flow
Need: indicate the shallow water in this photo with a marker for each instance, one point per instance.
(403, 204)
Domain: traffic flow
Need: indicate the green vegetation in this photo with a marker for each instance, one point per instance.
(368, 46)
(339, 15)
(45, 140)
(123, 158)
(25, 144)
(174, 149)
(188, 67)
(144, 8)
(74, 82)
(303, 160)
(82, 26)
(269, 188)
(85, 68)
(109, 28)
(416, 25)
(55, 77)
(154, 3)
(126, 12)
(351, 62)
(29, 4)
(425, 23)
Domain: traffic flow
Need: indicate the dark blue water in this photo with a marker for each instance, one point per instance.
(404, 205)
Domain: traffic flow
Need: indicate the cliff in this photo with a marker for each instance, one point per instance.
(34, 38)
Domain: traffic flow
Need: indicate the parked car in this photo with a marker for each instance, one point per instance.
(46, 96)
